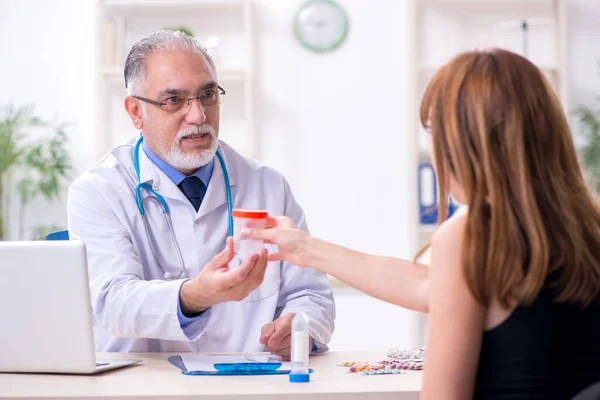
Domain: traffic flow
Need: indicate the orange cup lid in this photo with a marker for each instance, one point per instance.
(256, 214)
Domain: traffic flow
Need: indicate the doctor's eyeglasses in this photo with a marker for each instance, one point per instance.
(171, 104)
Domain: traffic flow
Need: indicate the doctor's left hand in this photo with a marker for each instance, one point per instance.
(216, 283)
(277, 336)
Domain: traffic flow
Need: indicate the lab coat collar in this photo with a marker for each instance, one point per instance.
(215, 193)
(152, 175)
(148, 170)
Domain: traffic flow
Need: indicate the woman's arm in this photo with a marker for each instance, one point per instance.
(397, 281)
(456, 320)
(400, 282)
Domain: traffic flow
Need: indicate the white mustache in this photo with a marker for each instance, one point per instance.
(195, 130)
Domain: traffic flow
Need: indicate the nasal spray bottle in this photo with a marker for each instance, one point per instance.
(299, 360)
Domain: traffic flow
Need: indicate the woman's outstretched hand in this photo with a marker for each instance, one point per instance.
(291, 240)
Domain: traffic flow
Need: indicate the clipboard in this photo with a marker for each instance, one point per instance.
(249, 366)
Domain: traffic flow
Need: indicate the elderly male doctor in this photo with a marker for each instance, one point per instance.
(144, 297)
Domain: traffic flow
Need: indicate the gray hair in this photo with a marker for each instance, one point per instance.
(164, 40)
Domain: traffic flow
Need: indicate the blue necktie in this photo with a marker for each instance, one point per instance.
(193, 188)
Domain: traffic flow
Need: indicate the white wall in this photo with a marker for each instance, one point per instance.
(331, 123)
(48, 60)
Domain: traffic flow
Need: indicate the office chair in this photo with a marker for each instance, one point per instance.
(58, 235)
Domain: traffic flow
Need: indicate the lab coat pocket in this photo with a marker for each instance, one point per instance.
(270, 285)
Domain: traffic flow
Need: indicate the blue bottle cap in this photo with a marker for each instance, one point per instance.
(299, 377)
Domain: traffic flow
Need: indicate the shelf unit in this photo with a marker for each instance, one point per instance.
(231, 22)
(440, 29)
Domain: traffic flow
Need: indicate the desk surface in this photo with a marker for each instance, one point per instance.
(155, 378)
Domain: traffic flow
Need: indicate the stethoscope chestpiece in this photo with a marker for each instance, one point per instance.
(169, 276)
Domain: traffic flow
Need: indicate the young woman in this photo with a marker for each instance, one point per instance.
(514, 287)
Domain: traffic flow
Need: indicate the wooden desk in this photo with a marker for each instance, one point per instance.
(155, 378)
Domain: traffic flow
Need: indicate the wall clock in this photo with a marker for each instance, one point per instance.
(321, 25)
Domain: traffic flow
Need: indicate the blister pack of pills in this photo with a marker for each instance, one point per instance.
(406, 354)
(352, 363)
(370, 368)
(385, 367)
(413, 364)
(382, 372)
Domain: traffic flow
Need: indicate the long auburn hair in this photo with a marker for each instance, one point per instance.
(499, 130)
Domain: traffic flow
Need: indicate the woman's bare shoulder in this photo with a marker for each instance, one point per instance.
(451, 232)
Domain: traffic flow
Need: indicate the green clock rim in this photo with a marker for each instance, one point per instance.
(337, 42)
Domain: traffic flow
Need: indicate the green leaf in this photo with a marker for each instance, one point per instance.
(39, 167)
(13, 122)
(26, 188)
(40, 231)
(589, 123)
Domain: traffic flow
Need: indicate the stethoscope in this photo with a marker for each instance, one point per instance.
(167, 213)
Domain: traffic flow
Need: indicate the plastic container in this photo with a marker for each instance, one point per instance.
(300, 351)
(252, 219)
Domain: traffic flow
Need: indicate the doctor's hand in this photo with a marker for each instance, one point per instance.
(216, 283)
(291, 240)
(277, 336)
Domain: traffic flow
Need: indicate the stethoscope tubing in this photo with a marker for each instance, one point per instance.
(167, 212)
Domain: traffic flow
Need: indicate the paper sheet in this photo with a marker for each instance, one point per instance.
(206, 362)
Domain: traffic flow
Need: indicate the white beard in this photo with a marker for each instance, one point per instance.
(184, 161)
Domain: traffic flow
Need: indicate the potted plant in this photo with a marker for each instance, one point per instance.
(29, 168)
(589, 121)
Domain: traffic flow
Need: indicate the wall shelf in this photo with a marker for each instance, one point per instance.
(430, 70)
(222, 75)
(121, 23)
(441, 29)
(137, 4)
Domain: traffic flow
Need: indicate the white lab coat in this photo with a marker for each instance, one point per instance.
(134, 307)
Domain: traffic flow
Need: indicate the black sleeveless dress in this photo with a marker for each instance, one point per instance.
(544, 351)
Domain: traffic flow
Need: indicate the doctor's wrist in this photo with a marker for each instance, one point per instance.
(190, 301)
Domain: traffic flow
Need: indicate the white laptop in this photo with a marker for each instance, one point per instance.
(45, 310)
